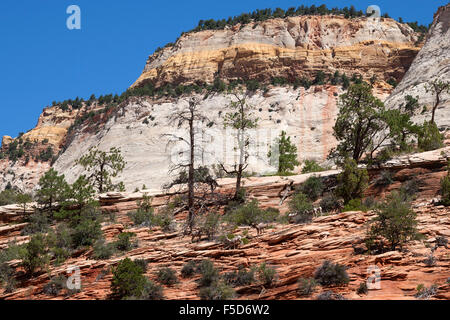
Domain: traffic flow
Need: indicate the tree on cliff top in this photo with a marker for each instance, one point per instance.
(103, 166)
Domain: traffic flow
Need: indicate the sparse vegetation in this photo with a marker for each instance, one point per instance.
(312, 188)
(352, 181)
(331, 274)
(306, 286)
(266, 274)
(302, 207)
(311, 166)
(167, 276)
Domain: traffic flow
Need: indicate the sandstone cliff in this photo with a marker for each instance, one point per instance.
(290, 48)
(432, 62)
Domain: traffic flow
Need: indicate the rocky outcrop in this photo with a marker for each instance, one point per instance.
(432, 62)
(294, 47)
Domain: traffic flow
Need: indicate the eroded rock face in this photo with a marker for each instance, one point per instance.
(295, 251)
(432, 62)
(291, 48)
(141, 130)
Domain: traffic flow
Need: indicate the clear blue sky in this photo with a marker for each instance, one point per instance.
(42, 61)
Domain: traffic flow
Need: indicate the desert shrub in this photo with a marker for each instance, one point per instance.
(430, 260)
(7, 279)
(311, 166)
(241, 277)
(250, 214)
(394, 221)
(128, 280)
(210, 224)
(362, 289)
(38, 222)
(59, 255)
(445, 190)
(306, 286)
(188, 269)
(34, 256)
(352, 181)
(330, 295)
(370, 203)
(55, 285)
(8, 196)
(102, 250)
(124, 243)
(441, 241)
(145, 213)
(152, 291)
(86, 232)
(410, 187)
(385, 178)
(329, 274)
(312, 188)
(217, 291)
(424, 292)
(302, 207)
(142, 263)
(355, 205)
(266, 274)
(209, 274)
(59, 242)
(429, 137)
(167, 276)
(165, 219)
(330, 203)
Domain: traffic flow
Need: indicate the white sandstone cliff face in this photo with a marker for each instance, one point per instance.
(306, 116)
(432, 62)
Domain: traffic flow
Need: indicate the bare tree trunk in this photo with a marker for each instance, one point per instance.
(191, 172)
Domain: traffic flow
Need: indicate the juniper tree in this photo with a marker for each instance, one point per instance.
(102, 166)
(360, 124)
(287, 154)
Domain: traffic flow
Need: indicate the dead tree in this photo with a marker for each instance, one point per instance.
(188, 117)
(240, 118)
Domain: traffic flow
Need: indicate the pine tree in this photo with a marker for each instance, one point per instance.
(287, 154)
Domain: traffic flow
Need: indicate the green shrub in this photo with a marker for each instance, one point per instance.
(311, 166)
(250, 214)
(352, 181)
(445, 190)
(312, 188)
(385, 178)
(188, 269)
(329, 274)
(410, 187)
(394, 221)
(209, 274)
(102, 250)
(86, 232)
(306, 286)
(123, 242)
(167, 276)
(128, 280)
(429, 137)
(302, 207)
(152, 291)
(217, 291)
(55, 285)
(141, 263)
(7, 279)
(362, 289)
(210, 224)
(426, 293)
(145, 214)
(34, 255)
(242, 277)
(8, 196)
(38, 222)
(355, 205)
(266, 274)
(330, 203)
